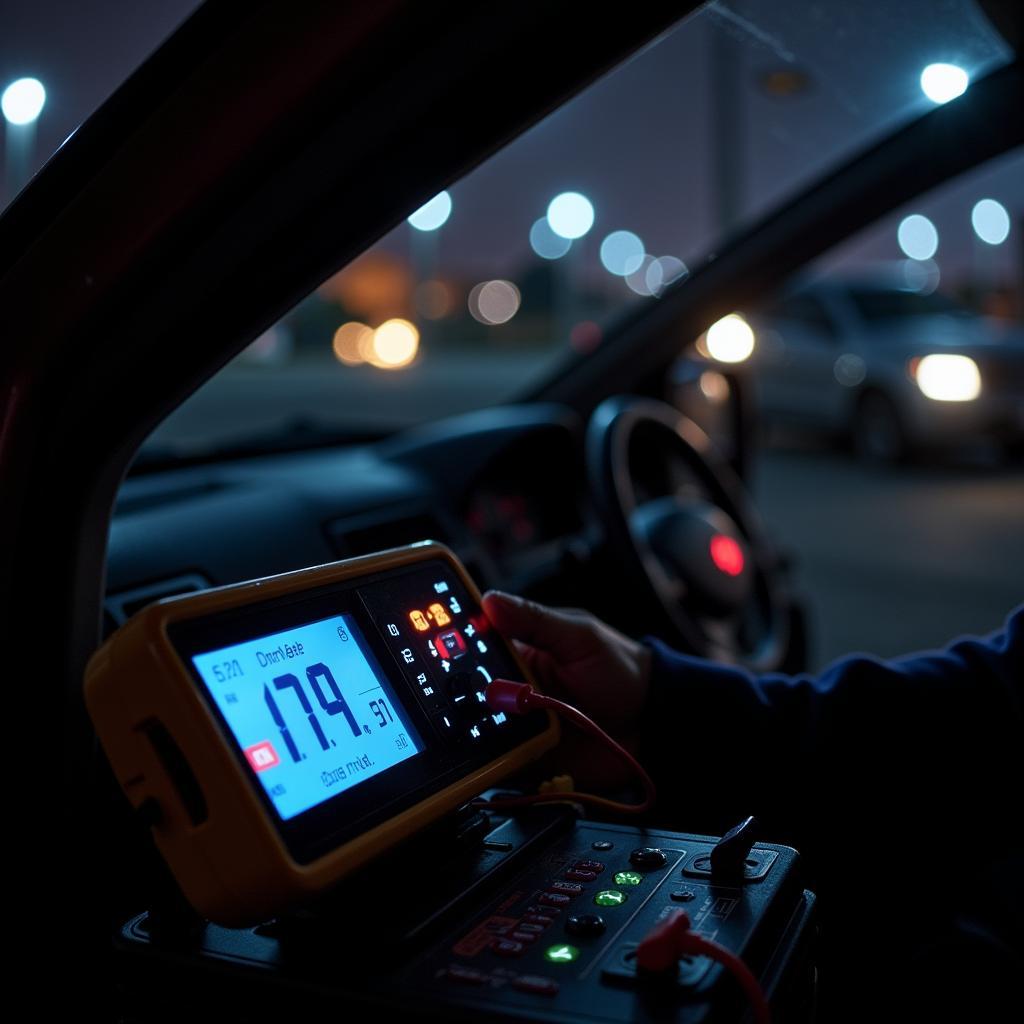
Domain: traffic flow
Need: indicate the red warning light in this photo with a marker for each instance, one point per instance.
(450, 645)
(726, 554)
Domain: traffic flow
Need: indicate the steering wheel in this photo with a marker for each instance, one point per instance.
(685, 532)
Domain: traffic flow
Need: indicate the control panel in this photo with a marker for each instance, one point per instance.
(541, 922)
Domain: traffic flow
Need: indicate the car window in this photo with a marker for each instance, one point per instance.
(525, 266)
(892, 465)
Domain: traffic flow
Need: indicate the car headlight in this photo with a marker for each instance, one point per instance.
(947, 378)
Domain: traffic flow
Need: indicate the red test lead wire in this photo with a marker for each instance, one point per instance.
(672, 938)
(512, 698)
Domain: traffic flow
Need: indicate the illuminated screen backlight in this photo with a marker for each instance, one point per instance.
(311, 710)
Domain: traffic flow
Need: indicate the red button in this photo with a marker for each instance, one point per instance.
(535, 983)
(581, 876)
(570, 888)
(553, 899)
(535, 918)
(506, 947)
(589, 865)
(465, 975)
(530, 926)
(523, 936)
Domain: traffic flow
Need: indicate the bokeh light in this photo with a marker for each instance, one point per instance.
(730, 340)
(948, 378)
(917, 237)
(990, 221)
(662, 271)
(714, 386)
(944, 82)
(494, 302)
(434, 299)
(637, 280)
(622, 252)
(585, 336)
(22, 101)
(430, 216)
(351, 343)
(570, 215)
(545, 243)
(395, 344)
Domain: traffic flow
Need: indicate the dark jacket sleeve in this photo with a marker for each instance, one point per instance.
(866, 745)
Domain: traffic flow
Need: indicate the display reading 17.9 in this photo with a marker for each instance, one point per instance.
(311, 713)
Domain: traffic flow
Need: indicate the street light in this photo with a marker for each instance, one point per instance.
(944, 82)
(570, 215)
(22, 101)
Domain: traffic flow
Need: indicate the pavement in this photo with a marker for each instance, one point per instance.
(894, 561)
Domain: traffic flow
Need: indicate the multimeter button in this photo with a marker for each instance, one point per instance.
(648, 857)
(682, 896)
(581, 876)
(529, 926)
(569, 888)
(522, 936)
(590, 865)
(535, 983)
(602, 844)
(465, 975)
(507, 947)
(539, 919)
(553, 899)
(585, 924)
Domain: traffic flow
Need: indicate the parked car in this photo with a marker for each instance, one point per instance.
(893, 370)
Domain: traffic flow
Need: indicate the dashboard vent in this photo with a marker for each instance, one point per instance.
(350, 538)
(122, 606)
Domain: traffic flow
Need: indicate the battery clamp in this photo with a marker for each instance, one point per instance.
(317, 756)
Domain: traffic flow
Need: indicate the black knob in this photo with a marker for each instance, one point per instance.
(648, 858)
(730, 852)
(585, 924)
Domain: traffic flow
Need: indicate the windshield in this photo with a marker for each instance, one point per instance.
(882, 304)
(526, 264)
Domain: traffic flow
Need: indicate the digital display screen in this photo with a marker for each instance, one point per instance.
(311, 709)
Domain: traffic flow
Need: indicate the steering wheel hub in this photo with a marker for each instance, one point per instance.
(702, 547)
(680, 524)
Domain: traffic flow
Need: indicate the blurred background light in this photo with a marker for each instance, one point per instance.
(948, 378)
(662, 272)
(944, 82)
(622, 252)
(350, 343)
(570, 215)
(22, 101)
(714, 386)
(430, 216)
(395, 344)
(921, 276)
(917, 237)
(545, 243)
(433, 299)
(585, 336)
(637, 280)
(990, 221)
(494, 302)
(730, 340)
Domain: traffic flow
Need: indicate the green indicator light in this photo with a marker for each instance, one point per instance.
(628, 878)
(610, 898)
(561, 954)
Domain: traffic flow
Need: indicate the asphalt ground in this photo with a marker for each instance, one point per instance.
(892, 561)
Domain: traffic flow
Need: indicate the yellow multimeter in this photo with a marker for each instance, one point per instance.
(285, 731)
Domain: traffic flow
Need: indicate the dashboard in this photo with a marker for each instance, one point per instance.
(503, 487)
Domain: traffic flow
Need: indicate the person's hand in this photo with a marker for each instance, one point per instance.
(579, 659)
